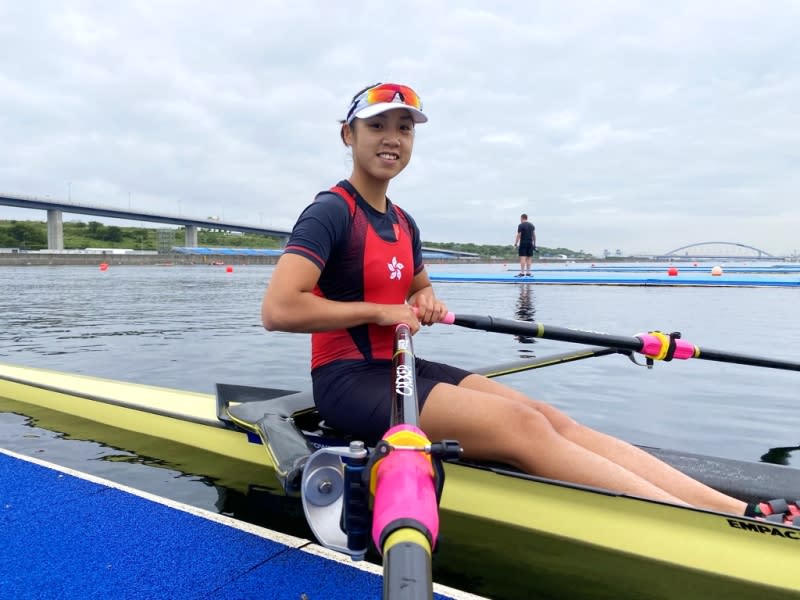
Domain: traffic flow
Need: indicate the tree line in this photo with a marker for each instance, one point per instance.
(32, 235)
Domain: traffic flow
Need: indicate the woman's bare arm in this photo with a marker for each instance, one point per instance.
(289, 303)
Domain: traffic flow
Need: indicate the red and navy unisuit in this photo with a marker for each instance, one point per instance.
(364, 256)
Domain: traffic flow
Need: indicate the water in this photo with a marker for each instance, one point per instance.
(189, 327)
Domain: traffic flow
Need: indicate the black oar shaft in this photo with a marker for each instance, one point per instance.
(742, 359)
(548, 332)
(632, 343)
(407, 572)
(405, 406)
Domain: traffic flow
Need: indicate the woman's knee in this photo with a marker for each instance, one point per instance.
(561, 422)
(524, 422)
(525, 433)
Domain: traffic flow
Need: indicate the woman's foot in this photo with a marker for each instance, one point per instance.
(779, 511)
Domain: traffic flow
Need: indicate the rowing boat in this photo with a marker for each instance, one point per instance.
(503, 533)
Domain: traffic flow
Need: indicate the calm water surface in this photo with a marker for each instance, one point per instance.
(189, 327)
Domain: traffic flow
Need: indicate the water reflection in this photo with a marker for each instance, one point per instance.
(779, 456)
(265, 508)
(526, 311)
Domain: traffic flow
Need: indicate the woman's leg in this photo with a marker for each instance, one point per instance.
(540, 439)
(492, 427)
(654, 470)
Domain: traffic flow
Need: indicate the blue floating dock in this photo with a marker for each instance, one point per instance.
(552, 277)
(610, 268)
(69, 535)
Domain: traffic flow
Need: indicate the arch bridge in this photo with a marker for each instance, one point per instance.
(719, 250)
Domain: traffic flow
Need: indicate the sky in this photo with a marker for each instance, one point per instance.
(615, 125)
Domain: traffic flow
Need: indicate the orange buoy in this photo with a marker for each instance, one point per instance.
(716, 270)
(229, 269)
(104, 266)
(672, 271)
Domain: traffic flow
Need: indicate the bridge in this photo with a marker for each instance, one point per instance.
(719, 251)
(55, 226)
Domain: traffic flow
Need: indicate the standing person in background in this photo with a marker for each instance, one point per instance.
(526, 242)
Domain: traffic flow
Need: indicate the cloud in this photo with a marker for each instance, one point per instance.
(507, 138)
(603, 134)
(624, 125)
(562, 120)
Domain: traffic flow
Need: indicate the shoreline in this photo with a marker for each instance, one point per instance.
(46, 259)
(37, 259)
(56, 259)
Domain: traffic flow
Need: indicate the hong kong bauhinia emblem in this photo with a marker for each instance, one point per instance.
(395, 269)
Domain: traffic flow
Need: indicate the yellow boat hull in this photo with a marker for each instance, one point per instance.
(502, 534)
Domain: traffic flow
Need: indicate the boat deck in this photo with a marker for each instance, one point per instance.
(74, 536)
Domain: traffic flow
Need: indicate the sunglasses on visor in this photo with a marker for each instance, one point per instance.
(385, 92)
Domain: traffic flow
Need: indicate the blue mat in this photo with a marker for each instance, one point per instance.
(547, 277)
(66, 537)
(727, 269)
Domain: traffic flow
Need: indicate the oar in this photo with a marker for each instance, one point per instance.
(655, 345)
(518, 366)
(406, 476)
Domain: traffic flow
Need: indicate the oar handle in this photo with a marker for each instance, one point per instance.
(448, 319)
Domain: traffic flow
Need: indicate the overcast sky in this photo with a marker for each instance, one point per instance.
(638, 126)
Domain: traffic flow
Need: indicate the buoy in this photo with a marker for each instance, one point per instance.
(229, 269)
(104, 266)
(672, 271)
(716, 270)
(694, 264)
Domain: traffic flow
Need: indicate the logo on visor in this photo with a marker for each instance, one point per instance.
(395, 269)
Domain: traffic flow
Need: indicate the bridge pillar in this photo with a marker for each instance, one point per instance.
(191, 236)
(55, 230)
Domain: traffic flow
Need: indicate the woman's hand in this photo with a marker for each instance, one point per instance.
(392, 314)
(429, 308)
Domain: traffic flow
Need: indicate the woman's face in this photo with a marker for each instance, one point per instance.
(382, 144)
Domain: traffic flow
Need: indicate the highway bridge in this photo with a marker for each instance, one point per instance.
(56, 208)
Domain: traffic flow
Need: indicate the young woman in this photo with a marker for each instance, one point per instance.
(353, 268)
